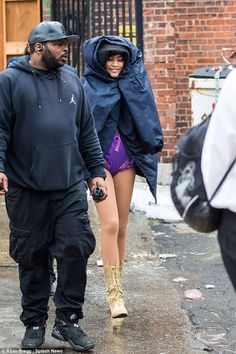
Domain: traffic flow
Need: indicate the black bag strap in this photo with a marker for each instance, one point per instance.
(223, 178)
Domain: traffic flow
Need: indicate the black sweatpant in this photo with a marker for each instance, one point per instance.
(56, 221)
(227, 241)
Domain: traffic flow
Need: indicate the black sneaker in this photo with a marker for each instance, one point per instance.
(73, 334)
(34, 337)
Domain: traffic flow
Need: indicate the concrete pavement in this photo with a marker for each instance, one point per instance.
(156, 323)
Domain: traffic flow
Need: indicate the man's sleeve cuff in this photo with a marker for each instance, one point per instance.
(98, 171)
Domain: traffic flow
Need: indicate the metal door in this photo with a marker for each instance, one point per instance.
(90, 18)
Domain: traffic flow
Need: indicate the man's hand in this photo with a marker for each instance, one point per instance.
(3, 183)
(98, 182)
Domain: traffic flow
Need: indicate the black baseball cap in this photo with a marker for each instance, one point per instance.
(49, 31)
(107, 49)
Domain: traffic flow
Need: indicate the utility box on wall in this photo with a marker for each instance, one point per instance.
(205, 85)
(17, 18)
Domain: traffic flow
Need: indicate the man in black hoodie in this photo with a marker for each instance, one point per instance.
(47, 141)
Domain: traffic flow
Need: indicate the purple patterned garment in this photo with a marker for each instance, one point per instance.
(117, 159)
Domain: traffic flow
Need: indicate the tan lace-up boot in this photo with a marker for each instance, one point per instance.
(121, 269)
(114, 294)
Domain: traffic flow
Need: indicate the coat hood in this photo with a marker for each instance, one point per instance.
(92, 47)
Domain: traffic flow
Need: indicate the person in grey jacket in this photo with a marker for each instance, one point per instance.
(47, 141)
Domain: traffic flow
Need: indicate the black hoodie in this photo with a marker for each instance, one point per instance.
(47, 133)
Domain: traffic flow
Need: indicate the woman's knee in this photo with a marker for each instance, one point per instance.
(110, 227)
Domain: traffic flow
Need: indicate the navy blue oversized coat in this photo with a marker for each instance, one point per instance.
(125, 103)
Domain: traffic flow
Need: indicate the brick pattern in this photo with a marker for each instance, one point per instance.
(179, 37)
(160, 57)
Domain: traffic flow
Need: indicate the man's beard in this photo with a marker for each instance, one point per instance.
(49, 60)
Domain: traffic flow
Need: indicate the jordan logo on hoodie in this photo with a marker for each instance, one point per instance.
(72, 100)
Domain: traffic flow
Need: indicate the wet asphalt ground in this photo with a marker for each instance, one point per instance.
(156, 323)
(161, 320)
(195, 263)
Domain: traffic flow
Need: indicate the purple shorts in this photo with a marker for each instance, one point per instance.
(117, 159)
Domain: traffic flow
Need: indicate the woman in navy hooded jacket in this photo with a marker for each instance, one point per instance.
(130, 134)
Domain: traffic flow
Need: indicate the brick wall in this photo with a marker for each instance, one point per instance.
(160, 58)
(179, 37)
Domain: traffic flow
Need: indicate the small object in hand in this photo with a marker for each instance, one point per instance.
(97, 193)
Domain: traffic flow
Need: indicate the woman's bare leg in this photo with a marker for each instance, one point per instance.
(124, 184)
(109, 221)
(113, 214)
